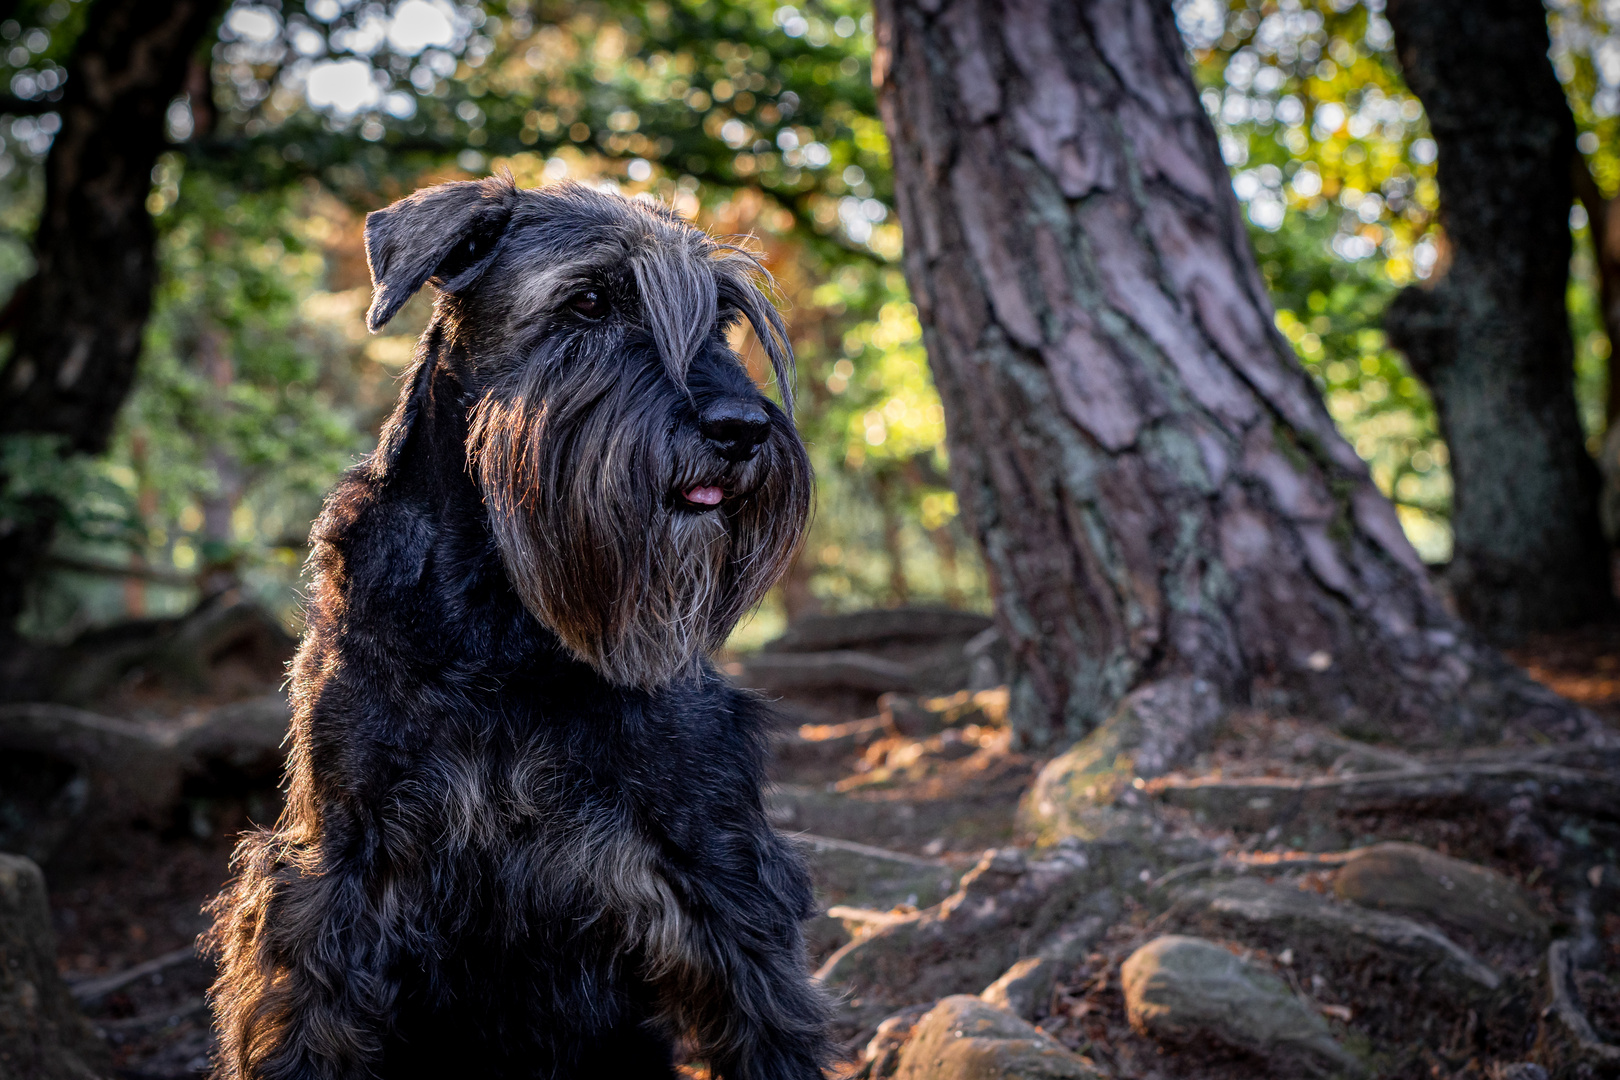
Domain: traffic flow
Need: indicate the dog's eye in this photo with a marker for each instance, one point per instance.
(590, 303)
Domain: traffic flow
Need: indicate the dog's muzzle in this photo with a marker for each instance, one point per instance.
(734, 429)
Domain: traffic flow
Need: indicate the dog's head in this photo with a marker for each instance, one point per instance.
(643, 492)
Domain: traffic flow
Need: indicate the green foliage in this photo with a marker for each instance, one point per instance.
(1592, 349)
(242, 414)
(731, 95)
(35, 40)
(1330, 309)
(239, 388)
(877, 435)
(1586, 57)
(748, 116)
(1334, 164)
(42, 476)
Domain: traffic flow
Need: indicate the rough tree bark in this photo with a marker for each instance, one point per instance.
(1156, 485)
(77, 323)
(1491, 336)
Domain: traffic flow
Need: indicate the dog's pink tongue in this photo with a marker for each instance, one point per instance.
(705, 496)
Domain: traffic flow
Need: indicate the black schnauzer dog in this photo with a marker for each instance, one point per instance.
(524, 834)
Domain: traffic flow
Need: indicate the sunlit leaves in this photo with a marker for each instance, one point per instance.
(1313, 116)
(893, 411)
(1586, 58)
(243, 412)
(1329, 151)
(742, 93)
(1333, 163)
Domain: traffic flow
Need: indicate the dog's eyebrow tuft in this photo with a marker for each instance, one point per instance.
(679, 299)
(741, 283)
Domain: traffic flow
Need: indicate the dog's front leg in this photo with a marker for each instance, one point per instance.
(304, 960)
(744, 989)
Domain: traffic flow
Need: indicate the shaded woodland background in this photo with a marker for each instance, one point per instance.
(255, 384)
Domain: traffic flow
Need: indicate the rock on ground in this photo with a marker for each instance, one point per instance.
(1185, 990)
(1025, 988)
(1413, 879)
(1345, 935)
(1406, 983)
(1090, 791)
(111, 769)
(964, 1038)
(42, 1035)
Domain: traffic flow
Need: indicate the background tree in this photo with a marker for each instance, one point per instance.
(1490, 336)
(1154, 482)
(77, 323)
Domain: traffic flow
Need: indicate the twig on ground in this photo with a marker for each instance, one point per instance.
(1259, 861)
(869, 916)
(820, 842)
(91, 990)
(1567, 1007)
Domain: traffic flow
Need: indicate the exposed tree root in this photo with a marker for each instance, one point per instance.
(1266, 801)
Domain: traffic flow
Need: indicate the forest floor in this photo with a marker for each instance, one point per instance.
(891, 823)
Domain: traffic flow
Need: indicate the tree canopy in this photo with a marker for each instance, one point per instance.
(257, 385)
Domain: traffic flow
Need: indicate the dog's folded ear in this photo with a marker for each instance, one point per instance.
(447, 234)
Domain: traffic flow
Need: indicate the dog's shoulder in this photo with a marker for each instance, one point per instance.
(365, 529)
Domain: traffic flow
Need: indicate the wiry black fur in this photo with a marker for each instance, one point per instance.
(496, 860)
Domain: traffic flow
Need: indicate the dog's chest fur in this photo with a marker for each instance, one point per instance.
(540, 795)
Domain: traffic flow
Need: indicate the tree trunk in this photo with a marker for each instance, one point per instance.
(884, 485)
(1491, 337)
(78, 322)
(1157, 487)
(218, 572)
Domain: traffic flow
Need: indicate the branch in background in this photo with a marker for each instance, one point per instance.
(921, 471)
(140, 573)
(261, 162)
(200, 96)
(1605, 230)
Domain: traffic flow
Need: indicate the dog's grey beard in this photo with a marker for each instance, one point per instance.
(580, 511)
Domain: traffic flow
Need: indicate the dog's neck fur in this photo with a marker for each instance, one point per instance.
(421, 464)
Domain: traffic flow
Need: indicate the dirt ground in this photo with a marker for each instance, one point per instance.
(889, 823)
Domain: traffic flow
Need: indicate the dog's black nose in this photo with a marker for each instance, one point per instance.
(735, 428)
